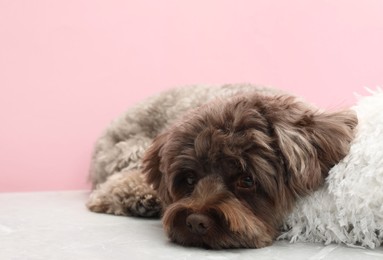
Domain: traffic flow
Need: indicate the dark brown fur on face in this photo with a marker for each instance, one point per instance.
(231, 170)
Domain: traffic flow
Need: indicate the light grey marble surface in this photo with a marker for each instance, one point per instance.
(56, 225)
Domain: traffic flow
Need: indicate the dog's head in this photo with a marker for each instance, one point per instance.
(230, 171)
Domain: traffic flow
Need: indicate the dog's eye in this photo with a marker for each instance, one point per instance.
(246, 182)
(190, 180)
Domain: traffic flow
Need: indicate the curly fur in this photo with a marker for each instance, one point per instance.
(251, 150)
(124, 142)
(121, 147)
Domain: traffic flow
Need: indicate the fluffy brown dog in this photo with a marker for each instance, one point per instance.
(224, 174)
(229, 172)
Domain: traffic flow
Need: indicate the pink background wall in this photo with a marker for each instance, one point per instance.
(68, 67)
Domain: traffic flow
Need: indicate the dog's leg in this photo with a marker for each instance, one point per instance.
(125, 193)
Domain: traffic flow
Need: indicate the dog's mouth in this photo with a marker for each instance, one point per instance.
(226, 223)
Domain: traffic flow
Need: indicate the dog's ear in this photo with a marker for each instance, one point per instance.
(311, 142)
(152, 167)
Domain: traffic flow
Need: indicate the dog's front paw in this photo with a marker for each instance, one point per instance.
(126, 195)
(147, 205)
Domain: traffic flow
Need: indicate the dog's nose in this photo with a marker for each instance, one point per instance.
(198, 223)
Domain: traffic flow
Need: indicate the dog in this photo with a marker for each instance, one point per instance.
(222, 166)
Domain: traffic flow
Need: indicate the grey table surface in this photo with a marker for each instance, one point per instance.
(57, 225)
